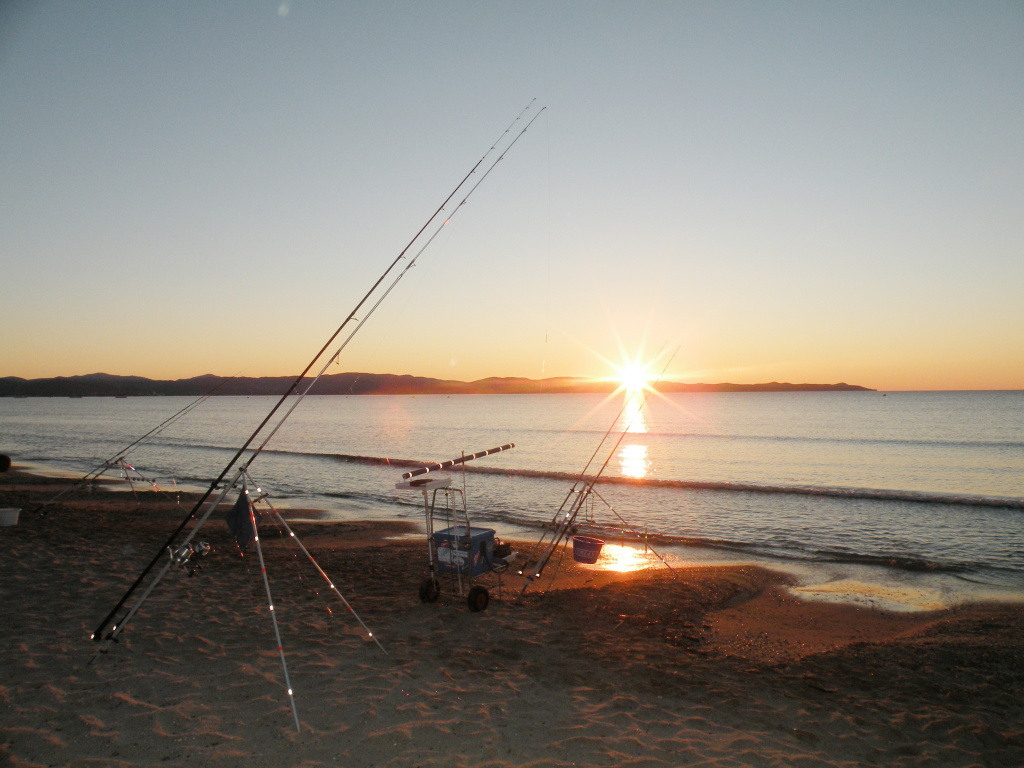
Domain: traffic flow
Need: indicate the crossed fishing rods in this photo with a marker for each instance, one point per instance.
(562, 528)
(98, 633)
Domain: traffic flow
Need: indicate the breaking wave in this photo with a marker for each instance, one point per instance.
(698, 485)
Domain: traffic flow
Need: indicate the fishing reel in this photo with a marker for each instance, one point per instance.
(187, 555)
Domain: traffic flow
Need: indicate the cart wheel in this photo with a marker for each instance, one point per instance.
(429, 590)
(478, 599)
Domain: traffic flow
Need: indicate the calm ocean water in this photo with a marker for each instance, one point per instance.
(926, 488)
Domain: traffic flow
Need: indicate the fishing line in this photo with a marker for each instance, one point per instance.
(547, 277)
(98, 633)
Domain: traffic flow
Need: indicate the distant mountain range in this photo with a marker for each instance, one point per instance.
(105, 385)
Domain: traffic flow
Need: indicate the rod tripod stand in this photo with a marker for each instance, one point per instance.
(243, 522)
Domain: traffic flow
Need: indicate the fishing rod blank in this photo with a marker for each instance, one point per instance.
(387, 292)
(561, 528)
(168, 546)
(434, 467)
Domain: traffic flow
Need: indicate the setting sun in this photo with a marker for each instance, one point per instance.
(633, 377)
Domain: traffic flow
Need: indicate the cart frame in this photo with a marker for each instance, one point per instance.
(459, 555)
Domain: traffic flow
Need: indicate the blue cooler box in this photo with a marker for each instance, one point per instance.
(454, 556)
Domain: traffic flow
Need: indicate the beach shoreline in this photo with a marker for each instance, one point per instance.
(716, 665)
(873, 585)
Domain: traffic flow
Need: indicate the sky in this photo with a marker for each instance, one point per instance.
(738, 191)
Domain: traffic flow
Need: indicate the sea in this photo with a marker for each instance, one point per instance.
(895, 500)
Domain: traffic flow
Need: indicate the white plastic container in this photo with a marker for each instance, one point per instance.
(9, 516)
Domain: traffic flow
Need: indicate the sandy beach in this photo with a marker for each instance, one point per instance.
(701, 666)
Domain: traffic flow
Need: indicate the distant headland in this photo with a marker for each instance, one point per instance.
(106, 385)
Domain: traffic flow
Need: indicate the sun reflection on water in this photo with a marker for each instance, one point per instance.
(634, 417)
(633, 461)
(633, 457)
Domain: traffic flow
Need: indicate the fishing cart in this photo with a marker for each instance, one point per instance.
(460, 554)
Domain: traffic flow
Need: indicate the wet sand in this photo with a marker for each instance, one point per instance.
(701, 666)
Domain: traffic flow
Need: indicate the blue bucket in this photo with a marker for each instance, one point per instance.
(586, 549)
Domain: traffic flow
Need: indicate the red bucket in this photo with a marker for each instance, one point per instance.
(586, 549)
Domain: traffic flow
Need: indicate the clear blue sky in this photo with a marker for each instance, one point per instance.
(785, 191)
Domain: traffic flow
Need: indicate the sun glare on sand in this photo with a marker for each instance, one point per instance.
(624, 559)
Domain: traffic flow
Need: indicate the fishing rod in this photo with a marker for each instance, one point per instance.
(582, 476)
(563, 527)
(168, 545)
(118, 457)
(435, 466)
(573, 489)
(387, 292)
